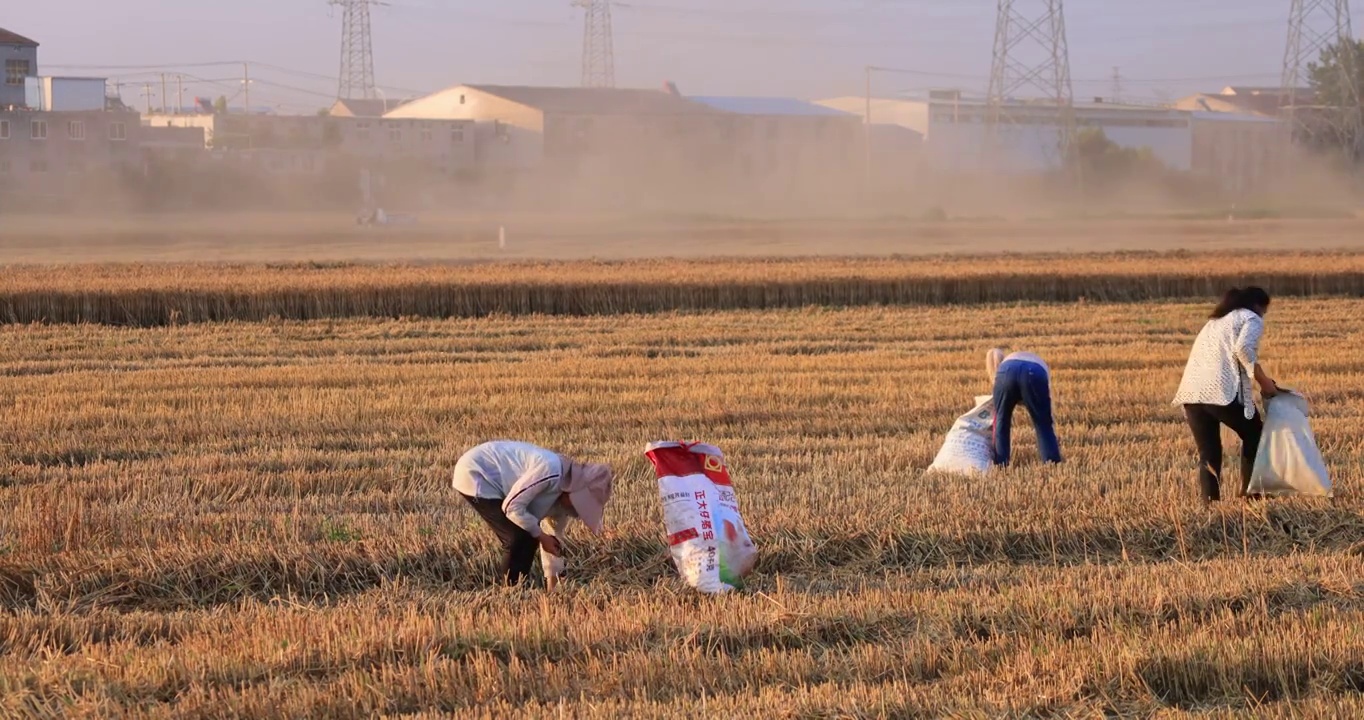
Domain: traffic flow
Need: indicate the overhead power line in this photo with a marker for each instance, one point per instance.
(1126, 79)
(292, 88)
(157, 68)
(154, 66)
(464, 16)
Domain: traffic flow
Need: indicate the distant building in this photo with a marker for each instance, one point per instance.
(20, 56)
(792, 147)
(522, 128)
(1241, 152)
(1265, 101)
(955, 130)
(310, 144)
(638, 147)
(1239, 136)
(351, 107)
(52, 153)
(66, 94)
(179, 143)
(1215, 136)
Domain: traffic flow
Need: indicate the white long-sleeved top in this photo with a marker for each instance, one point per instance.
(1222, 362)
(527, 478)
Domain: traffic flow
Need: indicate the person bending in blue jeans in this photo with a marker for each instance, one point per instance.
(1022, 377)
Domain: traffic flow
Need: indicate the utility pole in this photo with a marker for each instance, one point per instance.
(246, 86)
(163, 93)
(147, 95)
(1117, 84)
(357, 50)
(1030, 54)
(866, 131)
(180, 93)
(599, 55)
(1315, 27)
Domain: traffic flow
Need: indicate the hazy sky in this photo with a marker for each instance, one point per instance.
(804, 48)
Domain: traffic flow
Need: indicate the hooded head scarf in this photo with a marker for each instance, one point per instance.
(589, 488)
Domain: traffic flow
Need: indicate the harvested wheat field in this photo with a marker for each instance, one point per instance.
(231, 519)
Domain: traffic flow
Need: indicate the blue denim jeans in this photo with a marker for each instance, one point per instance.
(1020, 381)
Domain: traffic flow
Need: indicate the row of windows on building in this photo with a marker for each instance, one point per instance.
(75, 130)
(395, 133)
(40, 166)
(16, 71)
(980, 118)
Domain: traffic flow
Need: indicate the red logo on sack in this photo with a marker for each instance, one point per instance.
(715, 469)
(678, 538)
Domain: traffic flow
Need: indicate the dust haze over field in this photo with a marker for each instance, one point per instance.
(334, 237)
(262, 218)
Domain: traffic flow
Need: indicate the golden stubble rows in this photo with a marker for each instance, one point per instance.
(255, 519)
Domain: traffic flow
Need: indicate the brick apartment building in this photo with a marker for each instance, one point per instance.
(53, 153)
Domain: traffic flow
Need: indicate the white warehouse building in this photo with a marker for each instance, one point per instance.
(65, 94)
(955, 130)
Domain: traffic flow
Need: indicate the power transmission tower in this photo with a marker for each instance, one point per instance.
(1031, 55)
(599, 57)
(357, 51)
(1316, 26)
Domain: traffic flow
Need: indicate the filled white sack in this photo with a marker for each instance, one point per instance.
(710, 546)
(1288, 461)
(969, 447)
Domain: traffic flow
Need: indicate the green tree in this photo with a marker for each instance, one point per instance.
(220, 105)
(1336, 80)
(1099, 159)
(1330, 76)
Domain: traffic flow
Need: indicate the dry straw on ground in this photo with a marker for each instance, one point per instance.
(151, 295)
(236, 519)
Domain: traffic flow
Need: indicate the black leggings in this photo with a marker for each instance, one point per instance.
(1206, 422)
(518, 546)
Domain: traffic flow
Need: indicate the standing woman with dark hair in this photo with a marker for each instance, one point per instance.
(1216, 388)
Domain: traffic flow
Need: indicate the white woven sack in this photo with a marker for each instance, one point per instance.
(1288, 461)
(969, 447)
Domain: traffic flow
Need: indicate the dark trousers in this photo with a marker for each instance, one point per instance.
(518, 546)
(1019, 381)
(1205, 421)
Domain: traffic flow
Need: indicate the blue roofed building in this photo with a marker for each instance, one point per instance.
(791, 148)
(774, 106)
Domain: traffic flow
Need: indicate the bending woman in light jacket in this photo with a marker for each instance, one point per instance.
(1216, 388)
(514, 486)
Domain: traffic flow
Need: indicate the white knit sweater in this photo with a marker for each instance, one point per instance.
(1223, 361)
